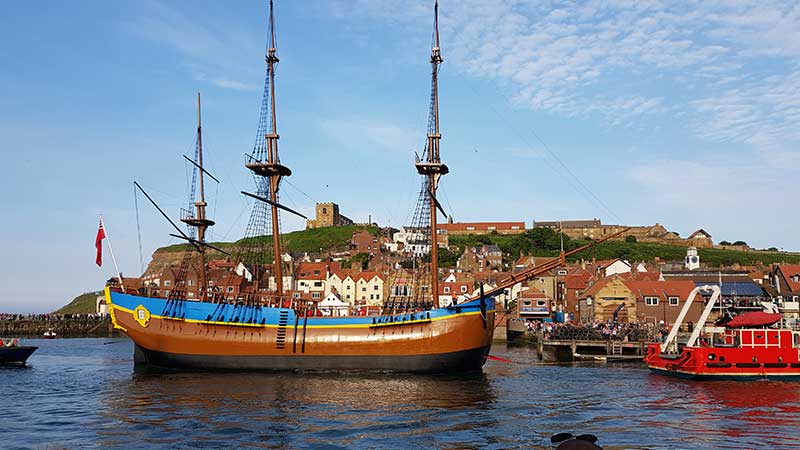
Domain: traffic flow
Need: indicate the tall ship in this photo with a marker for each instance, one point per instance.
(262, 326)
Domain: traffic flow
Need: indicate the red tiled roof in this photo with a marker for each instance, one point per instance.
(455, 288)
(305, 271)
(789, 270)
(578, 280)
(368, 276)
(532, 292)
(481, 226)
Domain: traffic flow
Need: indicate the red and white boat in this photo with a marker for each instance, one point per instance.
(749, 347)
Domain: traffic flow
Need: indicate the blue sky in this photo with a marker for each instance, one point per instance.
(634, 112)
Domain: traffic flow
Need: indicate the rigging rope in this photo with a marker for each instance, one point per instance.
(138, 230)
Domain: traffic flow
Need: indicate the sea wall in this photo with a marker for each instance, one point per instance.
(85, 326)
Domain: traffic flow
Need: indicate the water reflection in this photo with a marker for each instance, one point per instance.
(287, 410)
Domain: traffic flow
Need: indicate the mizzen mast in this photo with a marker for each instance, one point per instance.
(199, 219)
(264, 162)
(431, 166)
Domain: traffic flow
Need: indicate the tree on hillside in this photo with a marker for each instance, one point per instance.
(537, 239)
(630, 239)
(724, 243)
(740, 243)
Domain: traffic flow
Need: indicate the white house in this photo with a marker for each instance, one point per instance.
(332, 305)
(369, 288)
(410, 240)
(344, 284)
(613, 267)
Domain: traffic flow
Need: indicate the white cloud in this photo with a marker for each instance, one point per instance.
(374, 133)
(212, 51)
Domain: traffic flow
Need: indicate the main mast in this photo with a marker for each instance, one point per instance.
(432, 167)
(198, 219)
(272, 169)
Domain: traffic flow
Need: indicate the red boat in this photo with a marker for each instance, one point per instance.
(749, 347)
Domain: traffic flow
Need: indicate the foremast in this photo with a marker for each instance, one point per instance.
(431, 166)
(198, 220)
(265, 162)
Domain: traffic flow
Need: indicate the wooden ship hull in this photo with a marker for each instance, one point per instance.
(207, 336)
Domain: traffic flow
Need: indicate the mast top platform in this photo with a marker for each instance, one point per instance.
(432, 168)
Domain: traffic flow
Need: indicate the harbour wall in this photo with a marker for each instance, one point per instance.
(63, 327)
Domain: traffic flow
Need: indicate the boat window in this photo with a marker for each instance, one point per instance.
(797, 340)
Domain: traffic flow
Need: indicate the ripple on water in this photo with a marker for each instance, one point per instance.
(83, 394)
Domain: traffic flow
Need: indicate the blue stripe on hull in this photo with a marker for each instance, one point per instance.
(262, 315)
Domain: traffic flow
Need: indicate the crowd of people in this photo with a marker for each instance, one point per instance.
(51, 317)
(596, 331)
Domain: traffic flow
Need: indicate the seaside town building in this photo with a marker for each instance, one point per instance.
(478, 259)
(457, 228)
(364, 242)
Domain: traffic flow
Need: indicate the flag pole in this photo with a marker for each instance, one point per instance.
(111, 250)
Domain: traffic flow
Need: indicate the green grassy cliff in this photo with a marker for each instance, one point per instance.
(82, 304)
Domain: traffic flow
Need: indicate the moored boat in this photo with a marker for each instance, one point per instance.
(749, 347)
(11, 353)
(49, 334)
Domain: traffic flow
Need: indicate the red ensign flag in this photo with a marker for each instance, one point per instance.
(98, 243)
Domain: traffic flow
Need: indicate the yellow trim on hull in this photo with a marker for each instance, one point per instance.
(111, 308)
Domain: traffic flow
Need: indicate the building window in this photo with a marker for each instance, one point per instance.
(673, 301)
(363, 289)
(515, 227)
(318, 284)
(191, 282)
(296, 295)
(348, 287)
(447, 289)
(371, 296)
(562, 272)
(375, 287)
(229, 289)
(651, 301)
(463, 289)
(315, 295)
(167, 282)
(470, 228)
(491, 228)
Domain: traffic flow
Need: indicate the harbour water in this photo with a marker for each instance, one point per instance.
(84, 393)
